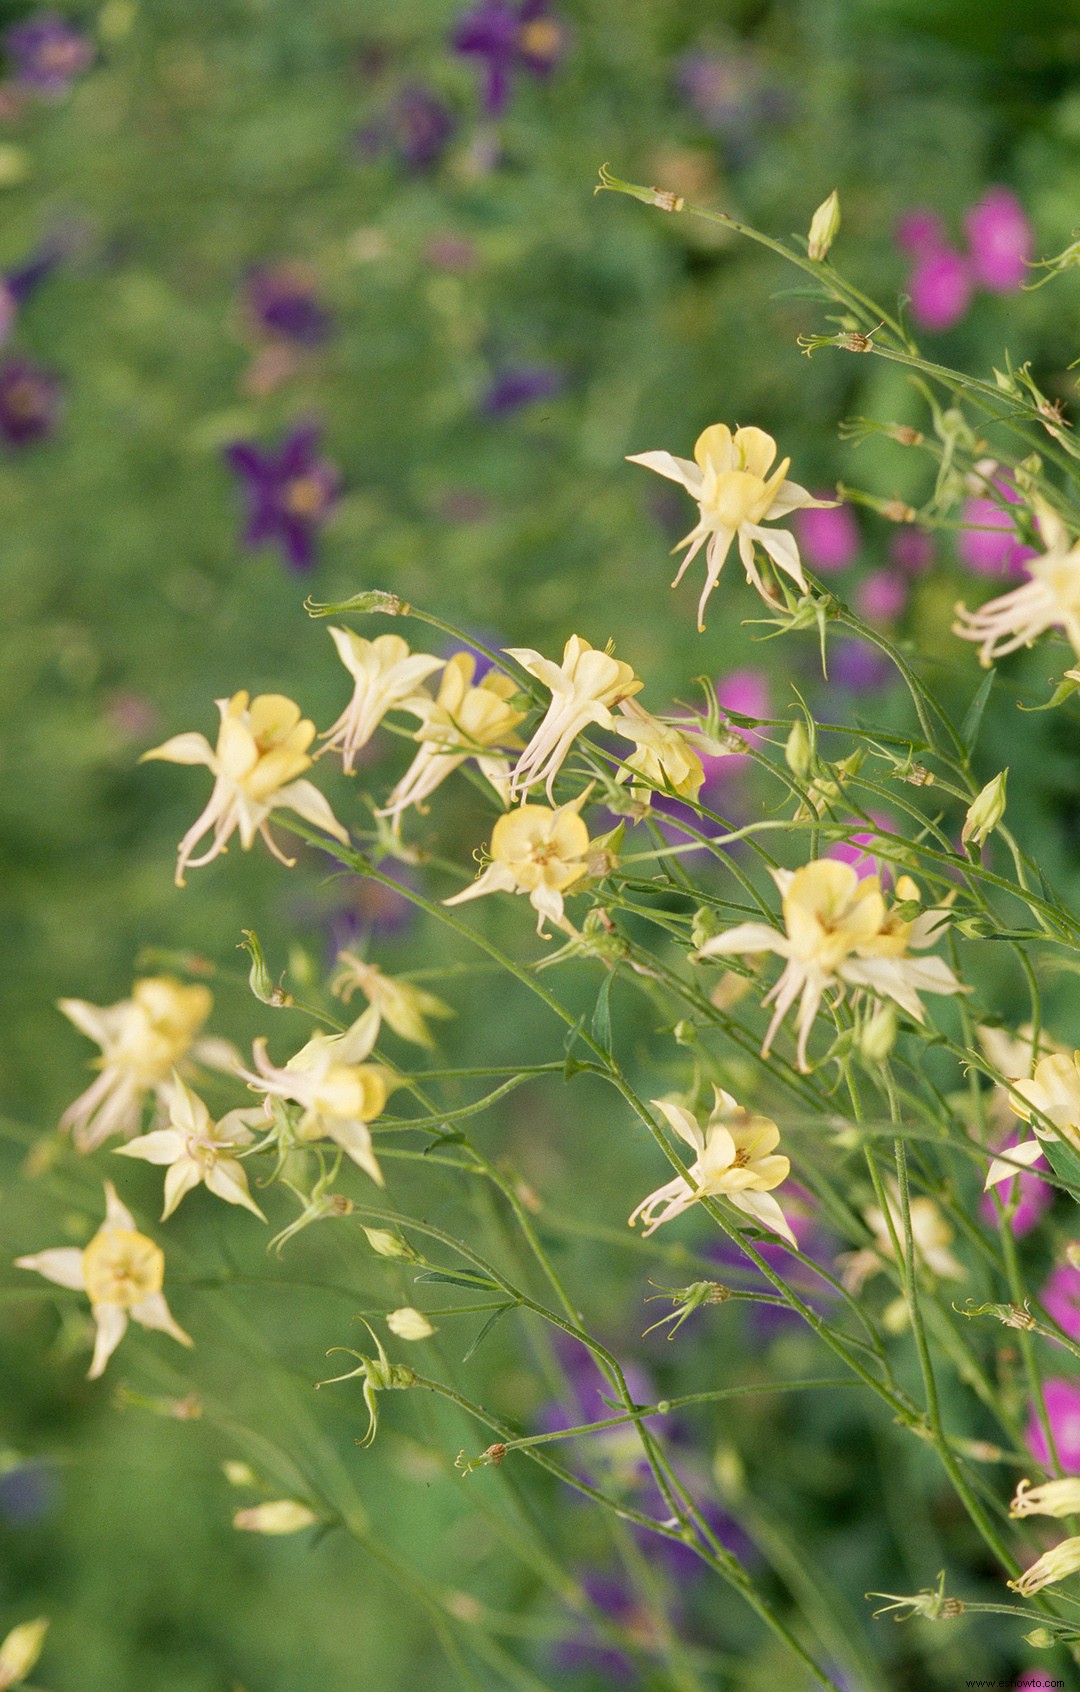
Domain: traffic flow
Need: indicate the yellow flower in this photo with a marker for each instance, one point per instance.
(409, 1324)
(931, 1237)
(583, 689)
(731, 481)
(279, 1516)
(1053, 1498)
(142, 1039)
(386, 677)
(262, 747)
(195, 1148)
(338, 1092)
(1052, 1106)
(121, 1272)
(1054, 1565)
(664, 758)
(734, 1159)
(20, 1651)
(1050, 600)
(399, 1003)
(840, 932)
(462, 722)
(538, 851)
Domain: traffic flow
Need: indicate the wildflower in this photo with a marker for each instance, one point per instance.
(1053, 1498)
(507, 38)
(985, 811)
(1051, 599)
(881, 596)
(1054, 1565)
(338, 1092)
(828, 536)
(840, 932)
(824, 227)
(386, 677)
(121, 1272)
(664, 757)
(262, 747)
(462, 721)
(415, 128)
(195, 1148)
(142, 1039)
(16, 286)
(281, 300)
(988, 542)
(290, 492)
(398, 1002)
(735, 1159)
(538, 851)
(20, 1651)
(730, 480)
(409, 1324)
(279, 1516)
(583, 689)
(1052, 1106)
(29, 402)
(516, 386)
(931, 1237)
(1061, 1399)
(47, 54)
(1000, 240)
(1060, 1297)
(940, 287)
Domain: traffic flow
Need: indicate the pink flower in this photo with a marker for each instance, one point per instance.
(920, 231)
(881, 596)
(940, 286)
(1000, 240)
(911, 550)
(828, 538)
(991, 548)
(1063, 1412)
(1061, 1297)
(1036, 1197)
(858, 849)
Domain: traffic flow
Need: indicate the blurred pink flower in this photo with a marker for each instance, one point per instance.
(881, 596)
(911, 550)
(942, 278)
(920, 231)
(940, 286)
(1036, 1197)
(1063, 1412)
(1000, 240)
(991, 548)
(1061, 1297)
(829, 538)
(858, 849)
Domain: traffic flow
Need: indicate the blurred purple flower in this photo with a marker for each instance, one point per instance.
(768, 1319)
(517, 386)
(583, 1652)
(940, 285)
(911, 550)
(1061, 1294)
(289, 491)
(828, 538)
(992, 549)
(1063, 1413)
(1000, 240)
(728, 93)
(507, 38)
(415, 128)
(858, 667)
(282, 300)
(29, 402)
(369, 910)
(920, 231)
(28, 1492)
(1035, 1198)
(881, 596)
(47, 54)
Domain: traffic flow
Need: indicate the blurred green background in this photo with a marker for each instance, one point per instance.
(489, 342)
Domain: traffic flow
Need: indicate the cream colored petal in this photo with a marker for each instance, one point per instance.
(791, 497)
(164, 1145)
(1004, 1168)
(782, 549)
(357, 1041)
(117, 1215)
(355, 1140)
(684, 1123)
(153, 1312)
(182, 749)
(227, 1179)
(61, 1264)
(744, 937)
(97, 1022)
(304, 798)
(764, 1209)
(681, 470)
(180, 1180)
(495, 879)
(111, 1324)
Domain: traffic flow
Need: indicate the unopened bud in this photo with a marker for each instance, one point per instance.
(797, 750)
(21, 1650)
(1072, 1253)
(986, 811)
(259, 977)
(706, 924)
(239, 1474)
(897, 512)
(1040, 1639)
(824, 227)
(283, 1515)
(385, 1244)
(409, 1324)
(878, 1035)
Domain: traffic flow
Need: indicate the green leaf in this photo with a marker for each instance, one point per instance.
(601, 1019)
(969, 728)
(1065, 1163)
(464, 1279)
(485, 1330)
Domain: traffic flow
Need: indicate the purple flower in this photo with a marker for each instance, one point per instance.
(507, 38)
(282, 300)
(940, 285)
(911, 550)
(881, 596)
(415, 128)
(29, 402)
(858, 667)
(1000, 240)
(583, 1652)
(828, 538)
(290, 492)
(991, 548)
(369, 909)
(47, 54)
(28, 1493)
(1061, 1295)
(1035, 1198)
(1063, 1413)
(516, 386)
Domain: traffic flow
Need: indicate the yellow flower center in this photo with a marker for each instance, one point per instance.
(542, 37)
(122, 1267)
(305, 496)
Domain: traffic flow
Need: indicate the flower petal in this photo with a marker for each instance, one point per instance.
(62, 1264)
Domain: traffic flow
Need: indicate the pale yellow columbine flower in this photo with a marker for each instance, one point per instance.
(735, 1158)
(583, 688)
(120, 1271)
(1053, 1092)
(839, 933)
(409, 1324)
(279, 1516)
(1054, 1565)
(142, 1039)
(262, 747)
(338, 1092)
(20, 1651)
(664, 758)
(399, 1003)
(462, 722)
(386, 677)
(1050, 600)
(931, 1238)
(538, 851)
(196, 1148)
(1053, 1498)
(729, 477)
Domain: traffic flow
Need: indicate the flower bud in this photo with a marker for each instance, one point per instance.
(706, 924)
(283, 1515)
(21, 1650)
(797, 750)
(239, 1474)
(824, 227)
(878, 1034)
(385, 1244)
(986, 811)
(409, 1324)
(1040, 1639)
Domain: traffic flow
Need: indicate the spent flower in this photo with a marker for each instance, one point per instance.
(404, 1007)
(664, 757)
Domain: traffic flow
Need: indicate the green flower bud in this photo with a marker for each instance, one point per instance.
(878, 1034)
(985, 812)
(797, 750)
(824, 227)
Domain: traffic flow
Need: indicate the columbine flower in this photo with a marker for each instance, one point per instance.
(29, 402)
(20, 1651)
(262, 747)
(1053, 1498)
(537, 851)
(399, 1003)
(840, 932)
(664, 758)
(339, 1093)
(931, 1238)
(734, 1159)
(121, 1272)
(281, 300)
(1050, 600)
(290, 491)
(47, 54)
(1053, 1092)
(142, 1039)
(463, 721)
(198, 1149)
(1054, 1565)
(583, 689)
(416, 128)
(730, 480)
(387, 677)
(508, 38)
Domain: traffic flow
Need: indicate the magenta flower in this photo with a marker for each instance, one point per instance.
(1000, 240)
(1035, 1198)
(1063, 1413)
(1061, 1295)
(920, 231)
(858, 849)
(992, 549)
(828, 538)
(881, 596)
(29, 402)
(282, 301)
(47, 54)
(911, 550)
(290, 492)
(508, 38)
(940, 285)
